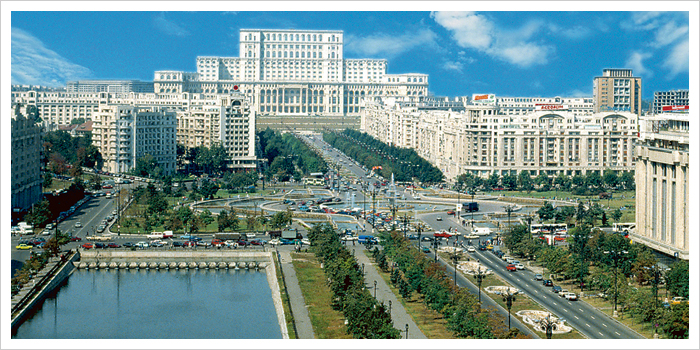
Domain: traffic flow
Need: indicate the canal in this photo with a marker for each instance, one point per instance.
(148, 304)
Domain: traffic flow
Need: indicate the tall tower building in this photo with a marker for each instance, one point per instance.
(617, 90)
(673, 100)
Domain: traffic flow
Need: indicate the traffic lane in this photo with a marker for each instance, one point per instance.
(585, 318)
(91, 219)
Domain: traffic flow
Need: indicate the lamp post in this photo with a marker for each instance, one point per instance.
(472, 210)
(657, 274)
(455, 259)
(435, 245)
(508, 209)
(479, 276)
(548, 325)
(509, 298)
(390, 307)
(616, 256)
(406, 330)
(375, 289)
(420, 231)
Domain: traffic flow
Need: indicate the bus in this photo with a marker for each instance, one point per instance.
(624, 227)
(557, 229)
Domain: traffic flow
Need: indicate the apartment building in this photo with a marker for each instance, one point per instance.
(296, 79)
(661, 176)
(114, 86)
(617, 90)
(125, 133)
(673, 100)
(25, 159)
(482, 140)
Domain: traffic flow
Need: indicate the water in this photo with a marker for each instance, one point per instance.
(138, 304)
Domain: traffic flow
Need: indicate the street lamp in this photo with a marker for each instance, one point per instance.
(616, 256)
(548, 324)
(472, 211)
(508, 209)
(657, 274)
(455, 259)
(435, 245)
(479, 276)
(375, 289)
(509, 298)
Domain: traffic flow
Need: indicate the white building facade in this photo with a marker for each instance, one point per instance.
(124, 133)
(661, 176)
(25, 160)
(481, 140)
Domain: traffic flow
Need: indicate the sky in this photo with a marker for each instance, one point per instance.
(510, 53)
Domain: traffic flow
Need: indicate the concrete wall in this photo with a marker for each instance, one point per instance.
(209, 255)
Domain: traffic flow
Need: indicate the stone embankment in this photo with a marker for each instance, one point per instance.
(219, 259)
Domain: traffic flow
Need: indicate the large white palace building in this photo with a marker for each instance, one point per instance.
(296, 79)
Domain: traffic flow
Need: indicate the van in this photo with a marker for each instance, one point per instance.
(366, 239)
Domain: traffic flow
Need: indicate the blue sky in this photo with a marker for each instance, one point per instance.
(517, 53)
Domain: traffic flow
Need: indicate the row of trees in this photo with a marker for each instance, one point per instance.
(64, 154)
(460, 308)
(590, 184)
(366, 317)
(588, 259)
(288, 157)
(404, 163)
(571, 215)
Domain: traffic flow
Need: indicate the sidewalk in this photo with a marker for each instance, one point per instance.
(384, 294)
(296, 299)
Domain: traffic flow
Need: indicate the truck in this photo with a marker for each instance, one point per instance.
(155, 235)
(366, 239)
(470, 207)
(229, 236)
(481, 231)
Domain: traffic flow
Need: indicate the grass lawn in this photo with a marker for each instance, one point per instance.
(57, 185)
(327, 323)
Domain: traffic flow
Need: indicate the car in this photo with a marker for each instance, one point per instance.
(425, 249)
(547, 283)
(489, 247)
(444, 234)
(285, 241)
(142, 245)
(189, 244)
(88, 246)
(46, 232)
(157, 243)
(511, 268)
(23, 246)
(412, 237)
(259, 241)
(427, 238)
(563, 292)
(100, 245)
(128, 245)
(306, 241)
(538, 277)
(678, 301)
(439, 218)
(178, 244)
(450, 212)
(191, 238)
(78, 224)
(519, 266)
(203, 244)
(75, 239)
(217, 242)
(250, 235)
(101, 228)
(570, 296)
(471, 249)
(556, 289)
(275, 241)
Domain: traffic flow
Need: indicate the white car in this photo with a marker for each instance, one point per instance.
(46, 232)
(142, 245)
(274, 242)
(563, 293)
(439, 218)
(520, 266)
(471, 249)
(570, 296)
(306, 241)
(78, 224)
(250, 235)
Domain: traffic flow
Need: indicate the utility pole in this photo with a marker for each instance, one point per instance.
(509, 298)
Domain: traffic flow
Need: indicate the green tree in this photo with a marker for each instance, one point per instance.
(493, 180)
(208, 189)
(546, 212)
(594, 180)
(525, 181)
(48, 180)
(610, 178)
(678, 279)
(145, 166)
(544, 182)
(562, 181)
(565, 214)
(616, 215)
(627, 180)
(509, 181)
(676, 322)
(206, 217)
(39, 214)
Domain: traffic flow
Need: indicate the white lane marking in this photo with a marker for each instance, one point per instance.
(604, 325)
(588, 325)
(554, 303)
(537, 292)
(593, 317)
(617, 333)
(565, 310)
(580, 310)
(600, 333)
(576, 317)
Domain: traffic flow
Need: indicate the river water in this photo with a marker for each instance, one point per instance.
(148, 304)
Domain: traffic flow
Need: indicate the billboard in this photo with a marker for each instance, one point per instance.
(674, 108)
(484, 98)
(550, 107)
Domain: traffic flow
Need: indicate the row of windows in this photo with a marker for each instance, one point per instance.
(296, 37)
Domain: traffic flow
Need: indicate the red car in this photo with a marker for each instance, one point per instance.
(88, 246)
(75, 239)
(106, 187)
(450, 212)
(113, 245)
(511, 268)
(216, 242)
(189, 244)
(442, 234)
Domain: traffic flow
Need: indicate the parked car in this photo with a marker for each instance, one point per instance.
(556, 289)
(100, 245)
(142, 245)
(563, 292)
(538, 277)
(547, 283)
(114, 245)
(570, 296)
(189, 244)
(178, 244)
(88, 245)
(75, 239)
(520, 266)
(157, 243)
(190, 237)
(425, 249)
(679, 300)
(23, 246)
(128, 245)
(511, 267)
(259, 241)
(275, 241)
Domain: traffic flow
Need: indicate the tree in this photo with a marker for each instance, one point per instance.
(525, 181)
(594, 180)
(509, 181)
(678, 279)
(610, 178)
(206, 217)
(546, 212)
(145, 166)
(562, 182)
(48, 180)
(223, 221)
(77, 121)
(208, 189)
(40, 213)
(565, 214)
(616, 215)
(493, 180)
(627, 180)
(544, 182)
(57, 163)
(677, 322)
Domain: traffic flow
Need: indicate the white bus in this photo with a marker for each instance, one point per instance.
(624, 227)
(545, 228)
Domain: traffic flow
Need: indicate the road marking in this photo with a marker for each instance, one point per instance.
(593, 317)
(600, 333)
(604, 325)
(576, 317)
(555, 303)
(617, 333)
(588, 325)
(565, 310)
(580, 310)
(537, 292)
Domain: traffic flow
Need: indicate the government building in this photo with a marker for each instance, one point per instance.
(661, 177)
(296, 79)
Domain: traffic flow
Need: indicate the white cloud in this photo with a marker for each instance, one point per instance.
(169, 27)
(451, 65)
(572, 33)
(669, 33)
(635, 62)
(35, 64)
(678, 59)
(385, 45)
(473, 31)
